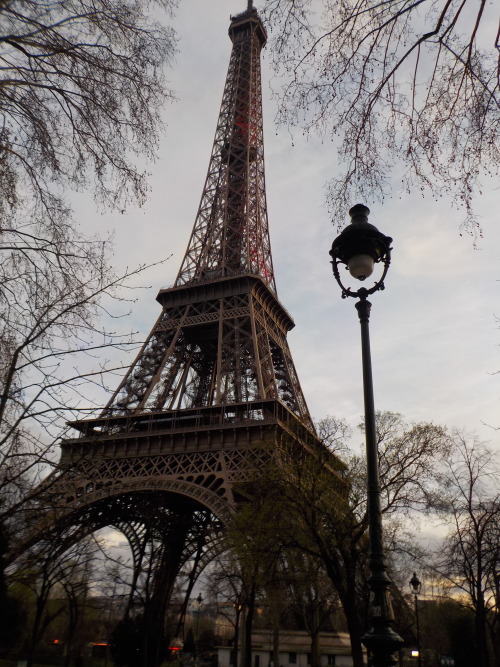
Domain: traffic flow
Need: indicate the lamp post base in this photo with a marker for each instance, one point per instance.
(382, 644)
(381, 640)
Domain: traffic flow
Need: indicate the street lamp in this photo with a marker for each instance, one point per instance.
(415, 588)
(359, 247)
(199, 602)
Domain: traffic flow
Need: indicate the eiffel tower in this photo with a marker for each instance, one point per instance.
(213, 391)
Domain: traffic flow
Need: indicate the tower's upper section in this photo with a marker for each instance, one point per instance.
(231, 235)
(241, 22)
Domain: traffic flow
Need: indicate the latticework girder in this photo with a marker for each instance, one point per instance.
(231, 233)
(221, 343)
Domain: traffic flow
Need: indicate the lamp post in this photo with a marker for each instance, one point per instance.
(199, 602)
(359, 247)
(415, 589)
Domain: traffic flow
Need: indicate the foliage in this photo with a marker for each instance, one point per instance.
(81, 90)
(303, 541)
(313, 599)
(412, 89)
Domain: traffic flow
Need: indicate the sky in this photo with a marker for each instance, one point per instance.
(434, 333)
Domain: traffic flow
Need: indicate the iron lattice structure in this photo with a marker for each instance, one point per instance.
(214, 391)
(221, 337)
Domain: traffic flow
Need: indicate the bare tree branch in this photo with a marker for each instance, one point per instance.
(409, 87)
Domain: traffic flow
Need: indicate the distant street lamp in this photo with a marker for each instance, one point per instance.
(415, 588)
(359, 247)
(199, 602)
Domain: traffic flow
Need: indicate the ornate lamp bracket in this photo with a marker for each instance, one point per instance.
(358, 248)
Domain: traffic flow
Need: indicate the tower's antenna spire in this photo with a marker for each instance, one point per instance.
(250, 5)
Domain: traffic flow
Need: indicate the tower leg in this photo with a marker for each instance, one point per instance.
(185, 538)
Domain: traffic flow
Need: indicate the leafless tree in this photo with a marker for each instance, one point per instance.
(251, 539)
(226, 586)
(316, 520)
(52, 305)
(313, 597)
(53, 297)
(411, 88)
(81, 91)
(470, 505)
(47, 574)
(82, 88)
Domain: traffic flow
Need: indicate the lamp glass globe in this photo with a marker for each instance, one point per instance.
(361, 266)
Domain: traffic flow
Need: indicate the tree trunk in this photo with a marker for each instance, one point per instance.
(315, 654)
(72, 625)
(236, 661)
(35, 631)
(495, 639)
(346, 589)
(480, 631)
(243, 636)
(247, 661)
(355, 630)
(165, 572)
(276, 646)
